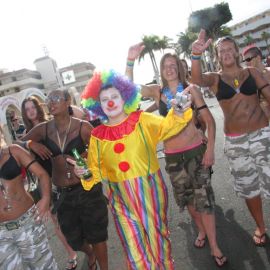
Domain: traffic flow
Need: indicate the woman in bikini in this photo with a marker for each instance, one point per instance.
(246, 128)
(23, 240)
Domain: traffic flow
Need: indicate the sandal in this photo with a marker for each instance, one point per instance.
(199, 243)
(220, 261)
(94, 264)
(72, 264)
(261, 239)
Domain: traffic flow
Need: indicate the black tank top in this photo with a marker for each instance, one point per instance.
(225, 91)
(10, 169)
(76, 142)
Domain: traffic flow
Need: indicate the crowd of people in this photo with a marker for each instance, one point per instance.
(118, 142)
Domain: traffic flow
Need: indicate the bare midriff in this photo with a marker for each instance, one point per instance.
(19, 200)
(242, 114)
(60, 170)
(188, 138)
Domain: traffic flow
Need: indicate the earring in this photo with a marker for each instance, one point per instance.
(70, 110)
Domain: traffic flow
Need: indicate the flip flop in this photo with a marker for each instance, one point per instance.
(200, 242)
(94, 264)
(219, 261)
(261, 238)
(72, 264)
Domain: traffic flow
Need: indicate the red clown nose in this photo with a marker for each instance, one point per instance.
(110, 103)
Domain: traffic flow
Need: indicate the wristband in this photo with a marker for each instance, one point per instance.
(195, 57)
(28, 144)
(130, 62)
(196, 54)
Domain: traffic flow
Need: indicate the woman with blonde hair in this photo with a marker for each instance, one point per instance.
(246, 127)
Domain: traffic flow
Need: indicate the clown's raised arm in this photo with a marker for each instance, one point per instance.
(115, 99)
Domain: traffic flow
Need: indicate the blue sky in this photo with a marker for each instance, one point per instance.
(94, 31)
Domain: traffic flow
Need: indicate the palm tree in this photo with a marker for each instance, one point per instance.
(184, 41)
(265, 36)
(154, 43)
(248, 40)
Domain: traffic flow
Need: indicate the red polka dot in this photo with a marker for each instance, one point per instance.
(119, 148)
(124, 166)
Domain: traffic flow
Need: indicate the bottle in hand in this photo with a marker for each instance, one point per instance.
(81, 162)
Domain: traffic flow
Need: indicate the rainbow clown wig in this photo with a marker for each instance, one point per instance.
(104, 80)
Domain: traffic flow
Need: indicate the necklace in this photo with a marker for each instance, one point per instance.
(63, 144)
(169, 96)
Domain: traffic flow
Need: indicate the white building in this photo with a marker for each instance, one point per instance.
(253, 27)
(17, 85)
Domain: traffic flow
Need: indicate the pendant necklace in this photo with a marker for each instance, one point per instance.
(63, 144)
(236, 83)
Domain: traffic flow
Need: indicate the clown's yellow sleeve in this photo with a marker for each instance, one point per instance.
(93, 164)
(163, 128)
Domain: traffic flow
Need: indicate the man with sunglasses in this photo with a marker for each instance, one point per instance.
(252, 56)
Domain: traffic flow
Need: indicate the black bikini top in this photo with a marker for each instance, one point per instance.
(76, 142)
(225, 91)
(10, 169)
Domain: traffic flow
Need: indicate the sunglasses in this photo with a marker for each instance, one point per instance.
(54, 99)
(249, 58)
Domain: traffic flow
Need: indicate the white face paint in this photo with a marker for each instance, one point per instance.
(112, 103)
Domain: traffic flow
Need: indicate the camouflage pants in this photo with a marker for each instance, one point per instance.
(191, 182)
(249, 161)
(24, 245)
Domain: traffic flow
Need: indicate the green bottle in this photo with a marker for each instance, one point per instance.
(80, 162)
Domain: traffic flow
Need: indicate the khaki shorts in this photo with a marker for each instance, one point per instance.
(190, 180)
(249, 161)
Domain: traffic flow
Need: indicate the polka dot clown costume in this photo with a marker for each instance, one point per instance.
(124, 155)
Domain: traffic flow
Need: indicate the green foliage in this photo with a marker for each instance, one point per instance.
(211, 19)
(184, 42)
(154, 43)
(248, 40)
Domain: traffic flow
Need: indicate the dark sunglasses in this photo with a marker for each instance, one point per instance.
(249, 58)
(54, 99)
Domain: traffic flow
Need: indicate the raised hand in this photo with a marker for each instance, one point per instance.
(200, 45)
(135, 50)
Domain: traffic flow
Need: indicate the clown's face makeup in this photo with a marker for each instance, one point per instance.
(112, 103)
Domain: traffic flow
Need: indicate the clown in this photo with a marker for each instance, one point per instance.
(122, 152)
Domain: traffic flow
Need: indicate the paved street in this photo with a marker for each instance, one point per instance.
(234, 226)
